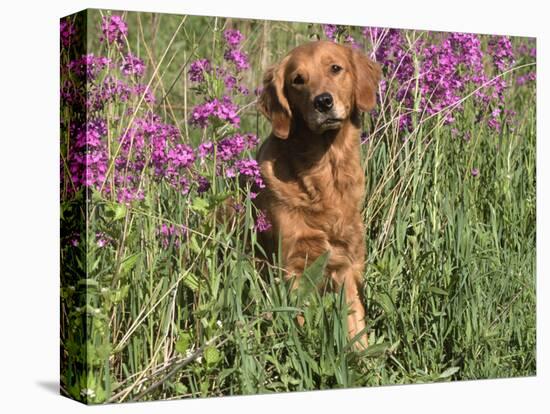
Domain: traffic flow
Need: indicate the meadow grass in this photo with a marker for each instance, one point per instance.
(449, 283)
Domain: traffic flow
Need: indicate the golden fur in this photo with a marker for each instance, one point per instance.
(311, 164)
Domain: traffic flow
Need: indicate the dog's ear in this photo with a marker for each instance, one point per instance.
(367, 76)
(273, 103)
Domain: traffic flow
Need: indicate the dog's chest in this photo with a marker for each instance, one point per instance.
(313, 191)
(335, 183)
(334, 191)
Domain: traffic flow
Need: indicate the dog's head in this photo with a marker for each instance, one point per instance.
(321, 82)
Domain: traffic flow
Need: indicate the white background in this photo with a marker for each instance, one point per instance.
(29, 204)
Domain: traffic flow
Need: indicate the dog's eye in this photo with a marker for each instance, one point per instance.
(298, 80)
(336, 68)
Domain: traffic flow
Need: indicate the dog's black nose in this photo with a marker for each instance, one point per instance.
(323, 102)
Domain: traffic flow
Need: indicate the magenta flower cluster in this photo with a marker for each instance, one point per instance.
(152, 145)
(224, 110)
(233, 38)
(101, 239)
(230, 149)
(231, 81)
(331, 31)
(114, 29)
(229, 153)
(334, 33)
(198, 68)
(132, 65)
(87, 160)
(528, 77)
(67, 33)
(446, 69)
(526, 51)
(262, 222)
(231, 76)
(250, 168)
(233, 53)
(148, 149)
(239, 59)
(171, 234)
(112, 89)
(89, 81)
(88, 66)
(213, 108)
(500, 48)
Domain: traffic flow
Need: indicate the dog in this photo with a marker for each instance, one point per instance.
(311, 167)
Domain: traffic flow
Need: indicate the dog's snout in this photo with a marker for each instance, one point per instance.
(323, 102)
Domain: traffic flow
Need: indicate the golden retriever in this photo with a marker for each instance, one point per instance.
(311, 165)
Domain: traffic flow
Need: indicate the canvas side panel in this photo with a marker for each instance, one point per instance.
(73, 200)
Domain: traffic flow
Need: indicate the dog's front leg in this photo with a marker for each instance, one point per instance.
(350, 281)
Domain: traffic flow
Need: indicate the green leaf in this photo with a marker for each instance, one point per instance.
(129, 262)
(376, 350)
(103, 351)
(226, 373)
(205, 385)
(448, 372)
(212, 355)
(96, 196)
(194, 244)
(183, 342)
(191, 281)
(312, 276)
(200, 205)
(284, 309)
(120, 211)
(386, 302)
(180, 388)
(100, 394)
(120, 294)
(438, 291)
(217, 199)
(116, 210)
